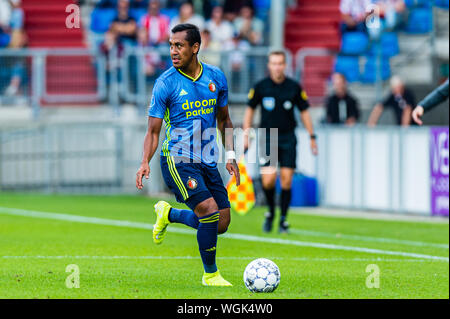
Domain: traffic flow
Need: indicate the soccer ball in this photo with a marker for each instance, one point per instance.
(262, 275)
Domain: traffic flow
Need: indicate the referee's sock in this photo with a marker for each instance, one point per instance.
(207, 240)
(286, 196)
(183, 216)
(270, 197)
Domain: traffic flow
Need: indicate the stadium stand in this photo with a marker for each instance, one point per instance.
(45, 23)
(314, 25)
(354, 54)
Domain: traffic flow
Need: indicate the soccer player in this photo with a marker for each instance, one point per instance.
(433, 99)
(191, 96)
(278, 95)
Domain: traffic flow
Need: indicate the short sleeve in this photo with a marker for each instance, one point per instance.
(254, 97)
(159, 100)
(223, 90)
(301, 99)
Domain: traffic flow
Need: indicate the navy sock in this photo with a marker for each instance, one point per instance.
(207, 241)
(286, 196)
(183, 216)
(270, 198)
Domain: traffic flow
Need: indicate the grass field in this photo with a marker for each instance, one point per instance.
(109, 239)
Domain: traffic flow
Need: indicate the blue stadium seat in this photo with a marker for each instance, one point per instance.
(348, 66)
(4, 39)
(389, 45)
(101, 19)
(112, 4)
(370, 70)
(137, 14)
(418, 3)
(354, 43)
(420, 21)
(442, 4)
(171, 13)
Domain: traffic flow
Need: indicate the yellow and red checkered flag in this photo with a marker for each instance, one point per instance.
(242, 197)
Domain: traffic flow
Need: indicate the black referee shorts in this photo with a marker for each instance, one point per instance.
(287, 151)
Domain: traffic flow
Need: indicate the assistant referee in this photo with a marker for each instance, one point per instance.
(278, 95)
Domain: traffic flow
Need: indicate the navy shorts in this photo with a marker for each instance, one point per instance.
(192, 183)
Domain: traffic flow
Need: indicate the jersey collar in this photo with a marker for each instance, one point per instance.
(190, 77)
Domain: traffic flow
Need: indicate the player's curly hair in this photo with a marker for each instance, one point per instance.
(193, 33)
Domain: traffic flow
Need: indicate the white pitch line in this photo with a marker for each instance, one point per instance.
(366, 238)
(307, 259)
(124, 223)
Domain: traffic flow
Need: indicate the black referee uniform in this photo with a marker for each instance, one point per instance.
(277, 111)
(278, 101)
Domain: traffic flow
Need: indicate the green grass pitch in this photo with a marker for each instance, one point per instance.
(317, 260)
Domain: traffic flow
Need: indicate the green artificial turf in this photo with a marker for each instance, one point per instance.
(122, 261)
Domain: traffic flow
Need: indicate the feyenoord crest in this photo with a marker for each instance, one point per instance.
(192, 183)
(212, 87)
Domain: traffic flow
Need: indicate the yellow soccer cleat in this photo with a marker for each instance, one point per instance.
(162, 210)
(215, 279)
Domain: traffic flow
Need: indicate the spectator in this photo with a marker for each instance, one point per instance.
(210, 52)
(354, 14)
(233, 7)
(18, 36)
(221, 31)
(187, 15)
(401, 100)
(249, 28)
(342, 107)
(17, 40)
(174, 3)
(207, 6)
(391, 11)
(5, 19)
(154, 26)
(107, 4)
(123, 28)
(153, 32)
(139, 4)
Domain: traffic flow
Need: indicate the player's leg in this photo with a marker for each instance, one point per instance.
(181, 180)
(288, 160)
(208, 216)
(286, 175)
(183, 216)
(224, 220)
(215, 185)
(268, 179)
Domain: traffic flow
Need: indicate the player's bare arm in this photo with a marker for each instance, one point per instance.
(307, 122)
(223, 123)
(150, 145)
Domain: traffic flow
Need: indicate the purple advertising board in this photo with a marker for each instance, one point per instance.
(439, 171)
